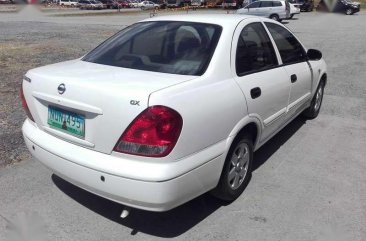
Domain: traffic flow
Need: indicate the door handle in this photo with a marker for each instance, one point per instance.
(255, 92)
(293, 78)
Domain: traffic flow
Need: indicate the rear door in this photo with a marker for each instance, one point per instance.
(295, 63)
(258, 73)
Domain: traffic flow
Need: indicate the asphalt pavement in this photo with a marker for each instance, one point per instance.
(309, 181)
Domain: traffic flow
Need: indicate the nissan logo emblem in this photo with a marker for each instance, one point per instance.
(61, 89)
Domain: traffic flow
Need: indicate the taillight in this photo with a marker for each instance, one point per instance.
(153, 133)
(24, 103)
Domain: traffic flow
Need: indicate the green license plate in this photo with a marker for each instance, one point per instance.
(67, 121)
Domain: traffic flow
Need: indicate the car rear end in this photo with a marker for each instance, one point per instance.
(79, 135)
(90, 122)
(294, 9)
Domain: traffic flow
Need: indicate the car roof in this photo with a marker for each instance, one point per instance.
(219, 19)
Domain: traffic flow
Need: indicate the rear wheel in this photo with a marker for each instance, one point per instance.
(291, 16)
(274, 17)
(237, 170)
(313, 110)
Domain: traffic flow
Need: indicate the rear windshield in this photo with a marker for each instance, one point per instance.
(183, 48)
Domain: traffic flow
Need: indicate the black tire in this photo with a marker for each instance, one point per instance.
(225, 190)
(291, 16)
(313, 110)
(274, 17)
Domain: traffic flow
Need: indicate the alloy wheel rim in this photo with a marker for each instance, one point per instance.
(318, 99)
(239, 163)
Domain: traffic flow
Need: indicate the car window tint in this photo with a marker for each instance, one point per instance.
(266, 4)
(289, 47)
(169, 47)
(254, 51)
(277, 4)
(254, 5)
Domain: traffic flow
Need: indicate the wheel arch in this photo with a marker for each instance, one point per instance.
(324, 77)
(249, 124)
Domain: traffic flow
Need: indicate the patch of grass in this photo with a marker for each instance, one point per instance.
(97, 13)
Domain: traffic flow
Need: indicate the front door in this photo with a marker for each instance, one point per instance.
(295, 63)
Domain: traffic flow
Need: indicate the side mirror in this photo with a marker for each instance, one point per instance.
(314, 54)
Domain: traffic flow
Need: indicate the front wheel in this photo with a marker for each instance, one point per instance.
(236, 171)
(349, 11)
(291, 16)
(313, 110)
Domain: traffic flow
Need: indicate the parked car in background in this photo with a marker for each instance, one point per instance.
(148, 5)
(138, 119)
(276, 10)
(232, 4)
(90, 5)
(7, 2)
(294, 9)
(68, 3)
(124, 4)
(347, 6)
(162, 3)
(304, 5)
(134, 3)
(174, 3)
(196, 3)
(109, 3)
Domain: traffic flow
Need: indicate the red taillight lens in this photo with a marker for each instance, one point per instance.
(153, 133)
(24, 104)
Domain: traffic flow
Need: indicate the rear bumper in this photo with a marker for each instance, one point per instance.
(142, 194)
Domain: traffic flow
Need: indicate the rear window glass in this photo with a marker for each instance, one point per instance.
(175, 47)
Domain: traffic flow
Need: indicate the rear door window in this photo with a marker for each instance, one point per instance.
(254, 50)
(277, 4)
(289, 47)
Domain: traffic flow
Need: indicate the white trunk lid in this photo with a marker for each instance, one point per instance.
(108, 97)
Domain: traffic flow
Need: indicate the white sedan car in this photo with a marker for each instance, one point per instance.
(171, 107)
(148, 5)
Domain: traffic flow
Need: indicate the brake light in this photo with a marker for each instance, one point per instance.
(153, 133)
(24, 104)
